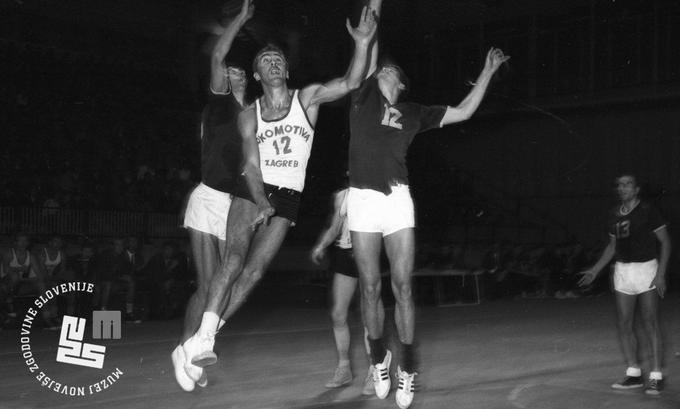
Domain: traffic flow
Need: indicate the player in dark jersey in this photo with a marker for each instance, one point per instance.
(208, 207)
(277, 133)
(380, 208)
(635, 227)
(345, 280)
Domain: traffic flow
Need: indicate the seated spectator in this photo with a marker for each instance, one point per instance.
(54, 264)
(168, 272)
(24, 275)
(85, 266)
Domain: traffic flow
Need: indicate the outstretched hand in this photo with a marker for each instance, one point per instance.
(494, 59)
(247, 10)
(365, 30)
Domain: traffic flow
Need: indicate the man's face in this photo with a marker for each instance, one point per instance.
(88, 253)
(57, 243)
(626, 188)
(22, 242)
(118, 246)
(389, 75)
(271, 67)
(237, 79)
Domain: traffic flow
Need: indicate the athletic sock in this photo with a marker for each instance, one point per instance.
(377, 350)
(657, 375)
(342, 363)
(633, 371)
(209, 324)
(407, 358)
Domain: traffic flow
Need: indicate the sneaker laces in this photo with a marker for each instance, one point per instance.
(380, 374)
(653, 383)
(406, 381)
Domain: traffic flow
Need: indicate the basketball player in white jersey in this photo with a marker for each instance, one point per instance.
(277, 132)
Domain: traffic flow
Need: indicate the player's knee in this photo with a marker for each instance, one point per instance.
(402, 291)
(339, 317)
(371, 291)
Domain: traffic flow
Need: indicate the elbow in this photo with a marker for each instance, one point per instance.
(352, 83)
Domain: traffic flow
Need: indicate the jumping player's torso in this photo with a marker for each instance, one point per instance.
(220, 142)
(381, 134)
(635, 233)
(285, 144)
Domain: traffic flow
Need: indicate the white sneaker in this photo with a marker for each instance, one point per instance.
(342, 377)
(369, 389)
(381, 376)
(405, 389)
(178, 361)
(199, 350)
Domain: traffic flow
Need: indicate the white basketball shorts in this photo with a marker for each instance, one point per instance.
(371, 211)
(207, 211)
(635, 278)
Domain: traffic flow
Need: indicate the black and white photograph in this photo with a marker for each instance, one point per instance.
(340, 204)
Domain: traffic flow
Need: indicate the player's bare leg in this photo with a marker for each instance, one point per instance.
(208, 251)
(649, 313)
(232, 284)
(366, 247)
(625, 307)
(400, 249)
(342, 290)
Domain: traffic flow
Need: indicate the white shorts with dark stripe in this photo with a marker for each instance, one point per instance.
(635, 278)
(207, 211)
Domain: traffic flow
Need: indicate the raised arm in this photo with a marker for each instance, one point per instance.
(660, 278)
(376, 7)
(218, 72)
(316, 94)
(247, 124)
(589, 275)
(333, 229)
(467, 107)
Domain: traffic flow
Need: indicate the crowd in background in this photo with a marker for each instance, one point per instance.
(520, 270)
(145, 283)
(154, 282)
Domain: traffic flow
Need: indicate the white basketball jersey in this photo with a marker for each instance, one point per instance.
(285, 146)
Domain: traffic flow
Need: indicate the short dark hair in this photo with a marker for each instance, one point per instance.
(632, 175)
(266, 49)
(231, 64)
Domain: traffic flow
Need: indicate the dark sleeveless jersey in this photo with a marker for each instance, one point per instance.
(381, 134)
(220, 143)
(634, 232)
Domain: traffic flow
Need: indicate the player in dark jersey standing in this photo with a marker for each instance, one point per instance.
(635, 226)
(208, 207)
(380, 208)
(277, 134)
